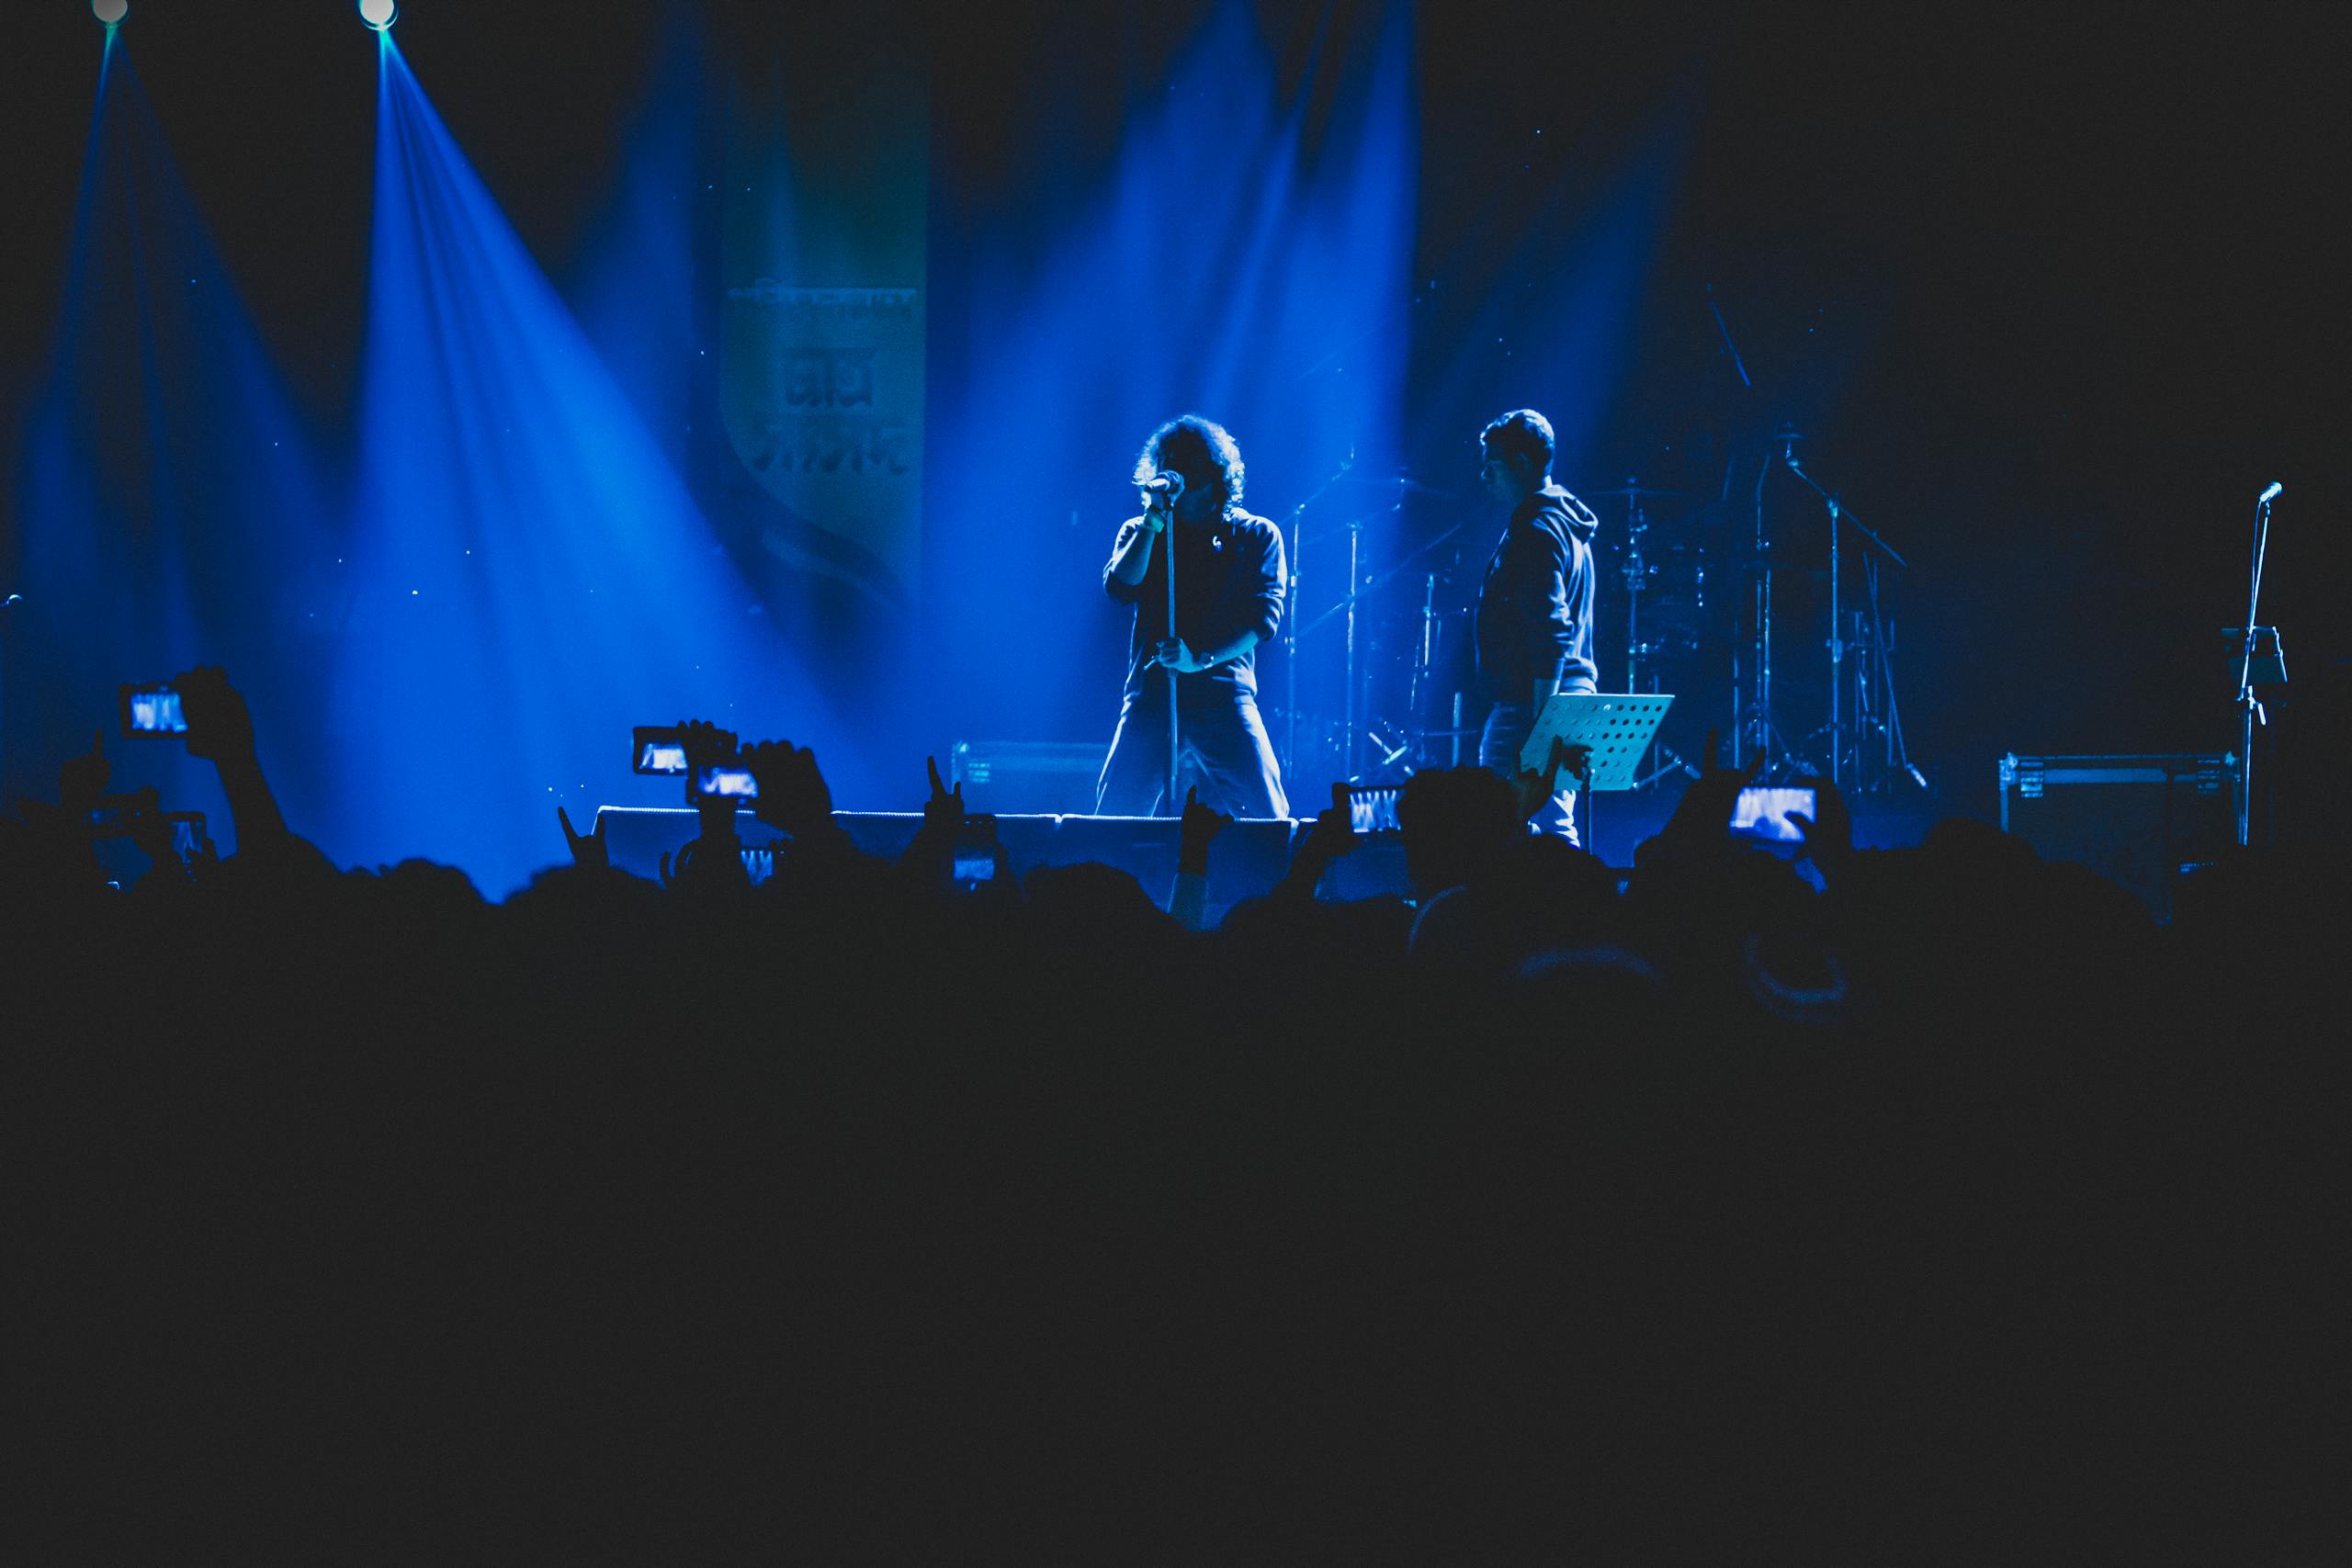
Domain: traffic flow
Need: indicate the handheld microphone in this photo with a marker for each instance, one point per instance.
(1167, 483)
(2268, 496)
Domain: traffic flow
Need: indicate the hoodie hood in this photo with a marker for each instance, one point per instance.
(1577, 518)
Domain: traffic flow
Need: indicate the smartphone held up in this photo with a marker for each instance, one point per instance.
(1762, 815)
(723, 783)
(151, 709)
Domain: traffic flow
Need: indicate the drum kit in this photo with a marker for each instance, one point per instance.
(1691, 597)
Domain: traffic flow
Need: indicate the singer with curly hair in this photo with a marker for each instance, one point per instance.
(1230, 584)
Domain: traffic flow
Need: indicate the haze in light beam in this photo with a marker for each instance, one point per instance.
(534, 577)
(170, 511)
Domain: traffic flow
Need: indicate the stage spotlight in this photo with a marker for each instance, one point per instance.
(109, 11)
(379, 14)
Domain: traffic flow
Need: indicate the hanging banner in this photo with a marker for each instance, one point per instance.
(824, 392)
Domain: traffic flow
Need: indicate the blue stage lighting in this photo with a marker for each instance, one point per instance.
(512, 512)
(379, 14)
(109, 11)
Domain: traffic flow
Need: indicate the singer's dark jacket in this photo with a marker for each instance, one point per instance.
(1229, 577)
(1535, 608)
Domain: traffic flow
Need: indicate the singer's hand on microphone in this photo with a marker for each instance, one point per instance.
(1178, 655)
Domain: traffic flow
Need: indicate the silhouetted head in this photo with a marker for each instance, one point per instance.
(1518, 449)
(1204, 453)
(1458, 822)
(1089, 900)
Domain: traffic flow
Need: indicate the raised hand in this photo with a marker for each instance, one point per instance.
(1202, 824)
(1828, 832)
(794, 797)
(220, 725)
(588, 849)
(707, 745)
(1703, 817)
(1333, 837)
(82, 780)
(1334, 833)
(946, 807)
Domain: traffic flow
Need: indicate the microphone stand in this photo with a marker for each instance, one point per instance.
(2250, 711)
(1175, 809)
(1837, 512)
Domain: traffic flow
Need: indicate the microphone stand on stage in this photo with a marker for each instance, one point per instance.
(1175, 806)
(1839, 513)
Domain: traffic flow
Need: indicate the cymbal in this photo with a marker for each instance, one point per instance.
(1776, 561)
(1400, 480)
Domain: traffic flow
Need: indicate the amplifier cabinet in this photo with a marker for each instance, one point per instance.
(2136, 820)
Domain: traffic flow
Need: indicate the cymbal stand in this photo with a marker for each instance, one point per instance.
(1896, 757)
(1861, 646)
(1754, 730)
(1424, 669)
(1294, 561)
(1360, 587)
(1634, 573)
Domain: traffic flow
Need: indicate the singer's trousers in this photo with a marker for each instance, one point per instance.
(1223, 751)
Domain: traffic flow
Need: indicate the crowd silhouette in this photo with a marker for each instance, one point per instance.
(1938, 1205)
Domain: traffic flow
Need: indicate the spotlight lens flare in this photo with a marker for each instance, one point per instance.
(109, 11)
(379, 14)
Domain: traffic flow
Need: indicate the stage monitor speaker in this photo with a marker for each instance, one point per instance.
(2136, 820)
(1049, 777)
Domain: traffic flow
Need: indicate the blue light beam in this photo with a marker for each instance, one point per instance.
(1246, 253)
(533, 577)
(170, 505)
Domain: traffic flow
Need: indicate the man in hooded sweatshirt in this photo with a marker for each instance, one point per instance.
(1534, 624)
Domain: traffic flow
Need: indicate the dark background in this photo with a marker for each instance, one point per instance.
(2052, 297)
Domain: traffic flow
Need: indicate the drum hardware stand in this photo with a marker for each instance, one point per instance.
(1294, 561)
(1876, 710)
(1421, 680)
(1753, 726)
(1634, 570)
(1359, 589)
(1634, 573)
(1835, 728)
(1422, 683)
